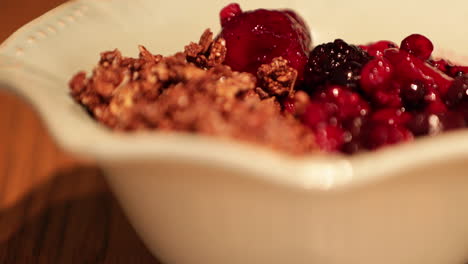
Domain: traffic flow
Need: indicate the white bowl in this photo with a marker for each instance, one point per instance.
(202, 200)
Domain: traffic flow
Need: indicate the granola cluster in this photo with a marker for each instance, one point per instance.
(277, 78)
(193, 91)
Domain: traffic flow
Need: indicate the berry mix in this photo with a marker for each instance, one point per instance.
(260, 80)
(360, 97)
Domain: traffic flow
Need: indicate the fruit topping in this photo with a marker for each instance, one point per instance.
(259, 81)
(376, 75)
(256, 37)
(458, 91)
(378, 48)
(335, 59)
(378, 94)
(418, 45)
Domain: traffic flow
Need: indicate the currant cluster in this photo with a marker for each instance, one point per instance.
(361, 97)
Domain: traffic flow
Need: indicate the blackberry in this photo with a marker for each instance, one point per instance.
(347, 74)
(335, 59)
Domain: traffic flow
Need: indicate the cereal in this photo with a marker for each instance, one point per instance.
(193, 92)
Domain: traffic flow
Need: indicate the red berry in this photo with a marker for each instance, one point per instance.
(228, 12)
(316, 114)
(441, 64)
(458, 91)
(391, 116)
(413, 94)
(256, 37)
(418, 45)
(349, 104)
(408, 68)
(289, 106)
(377, 49)
(409, 94)
(404, 63)
(451, 120)
(353, 135)
(432, 95)
(388, 98)
(433, 124)
(329, 138)
(462, 108)
(382, 134)
(436, 107)
(376, 75)
(455, 71)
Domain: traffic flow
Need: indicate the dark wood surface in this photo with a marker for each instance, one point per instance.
(54, 208)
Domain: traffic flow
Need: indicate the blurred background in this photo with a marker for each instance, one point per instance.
(54, 208)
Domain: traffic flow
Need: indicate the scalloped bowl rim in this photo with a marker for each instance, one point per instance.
(315, 171)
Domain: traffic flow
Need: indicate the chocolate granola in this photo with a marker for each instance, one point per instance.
(193, 92)
(277, 78)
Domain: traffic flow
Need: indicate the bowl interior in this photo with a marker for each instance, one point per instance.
(50, 49)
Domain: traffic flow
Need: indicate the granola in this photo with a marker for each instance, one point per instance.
(192, 92)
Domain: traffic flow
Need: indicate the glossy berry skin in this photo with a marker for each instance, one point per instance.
(317, 114)
(378, 48)
(228, 12)
(408, 67)
(354, 137)
(387, 98)
(448, 68)
(413, 94)
(382, 134)
(335, 115)
(376, 75)
(386, 127)
(417, 45)
(436, 107)
(441, 64)
(329, 138)
(391, 116)
(365, 99)
(327, 59)
(458, 91)
(456, 71)
(347, 75)
(462, 108)
(256, 37)
(348, 104)
(426, 123)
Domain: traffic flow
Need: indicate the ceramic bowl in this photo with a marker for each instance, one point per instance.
(196, 199)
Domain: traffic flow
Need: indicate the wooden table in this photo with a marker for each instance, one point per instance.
(53, 207)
